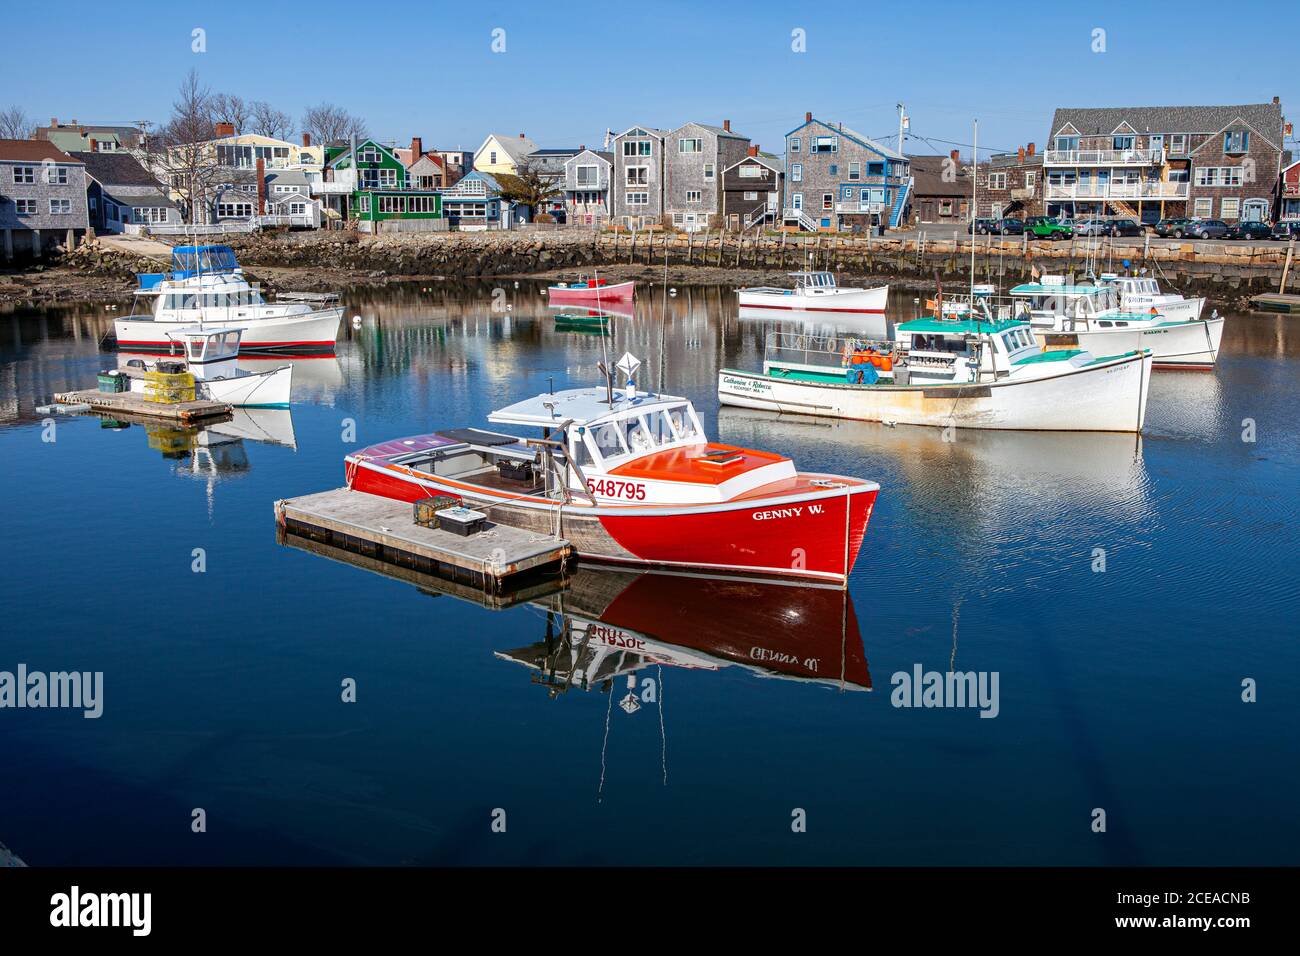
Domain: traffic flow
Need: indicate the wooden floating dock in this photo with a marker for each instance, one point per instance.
(1285, 302)
(385, 530)
(133, 404)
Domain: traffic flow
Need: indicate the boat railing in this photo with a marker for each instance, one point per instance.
(817, 351)
(1002, 308)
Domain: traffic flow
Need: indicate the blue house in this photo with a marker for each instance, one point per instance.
(475, 203)
(837, 179)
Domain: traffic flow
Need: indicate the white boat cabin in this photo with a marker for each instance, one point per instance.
(209, 353)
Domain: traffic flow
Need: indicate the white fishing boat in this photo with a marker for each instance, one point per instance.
(1089, 316)
(206, 285)
(1142, 294)
(816, 292)
(211, 355)
(964, 368)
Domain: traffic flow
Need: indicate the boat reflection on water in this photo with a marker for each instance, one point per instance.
(216, 451)
(602, 623)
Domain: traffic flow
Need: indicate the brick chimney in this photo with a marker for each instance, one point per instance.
(94, 145)
(955, 155)
(417, 148)
(225, 129)
(54, 122)
(1029, 150)
(306, 139)
(726, 124)
(1277, 101)
(753, 150)
(522, 136)
(807, 117)
(261, 186)
(1020, 155)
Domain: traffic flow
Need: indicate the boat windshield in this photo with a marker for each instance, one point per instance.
(211, 300)
(635, 435)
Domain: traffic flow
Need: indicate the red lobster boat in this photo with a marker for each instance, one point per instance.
(590, 290)
(631, 478)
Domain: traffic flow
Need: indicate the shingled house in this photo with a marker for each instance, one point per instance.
(837, 179)
(1149, 162)
(1010, 184)
(42, 197)
(941, 189)
(121, 192)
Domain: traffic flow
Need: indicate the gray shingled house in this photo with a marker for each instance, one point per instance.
(695, 154)
(42, 197)
(120, 192)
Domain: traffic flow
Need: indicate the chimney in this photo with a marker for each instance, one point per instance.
(807, 117)
(54, 122)
(1277, 101)
(417, 148)
(582, 147)
(94, 146)
(1020, 155)
(1029, 150)
(522, 136)
(753, 150)
(726, 124)
(306, 139)
(224, 129)
(955, 155)
(261, 186)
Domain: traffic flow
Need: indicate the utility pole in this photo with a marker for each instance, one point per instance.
(904, 123)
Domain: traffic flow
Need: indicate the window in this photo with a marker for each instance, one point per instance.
(636, 147)
(1178, 144)
(855, 170)
(56, 175)
(794, 144)
(1067, 143)
(690, 146)
(1031, 178)
(796, 173)
(392, 204)
(752, 171)
(1122, 142)
(234, 210)
(998, 180)
(60, 207)
(638, 199)
(796, 202)
(638, 175)
(751, 196)
(26, 207)
(587, 176)
(1229, 207)
(149, 214)
(297, 209)
(846, 193)
(24, 174)
(281, 190)
(834, 170)
(492, 158)
(679, 219)
(370, 154)
(826, 144)
(692, 195)
(1204, 208)
(1236, 141)
(708, 170)
(828, 201)
(1218, 176)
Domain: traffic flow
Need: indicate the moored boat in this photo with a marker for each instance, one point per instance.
(964, 369)
(1143, 293)
(631, 478)
(590, 290)
(206, 284)
(816, 292)
(211, 355)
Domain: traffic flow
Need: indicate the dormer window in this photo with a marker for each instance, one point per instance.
(1236, 141)
(1121, 143)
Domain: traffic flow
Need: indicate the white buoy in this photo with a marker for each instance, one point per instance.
(672, 291)
(356, 321)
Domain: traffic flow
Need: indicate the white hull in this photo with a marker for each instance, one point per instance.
(1190, 344)
(300, 333)
(270, 389)
(1110, 396)
(837, 301)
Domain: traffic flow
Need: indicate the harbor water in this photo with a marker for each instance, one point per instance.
(1126, 605)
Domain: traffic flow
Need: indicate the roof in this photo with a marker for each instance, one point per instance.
(1264, 118)
(516, 147)
(842, 130)
(151, 198)
(763, 159)
(32, 150)
(651, 130)
(717, 130)
(288, 177)
(1039, 288)
(563, 151)
(927, 176)
(598, 153)
(582, 405)
(115, 169)
(959, 326)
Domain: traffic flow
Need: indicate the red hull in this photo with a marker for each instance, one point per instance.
(783, 535)
(605, 293)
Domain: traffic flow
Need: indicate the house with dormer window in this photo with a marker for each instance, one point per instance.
(637, 179)
(379, 190)
(1154, 162)
(837, 179)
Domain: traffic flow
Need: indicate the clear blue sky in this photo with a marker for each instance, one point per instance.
(570, 70)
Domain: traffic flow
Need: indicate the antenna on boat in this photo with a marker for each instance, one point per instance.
(609, 383)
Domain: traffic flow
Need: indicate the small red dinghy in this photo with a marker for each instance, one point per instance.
(590, 290)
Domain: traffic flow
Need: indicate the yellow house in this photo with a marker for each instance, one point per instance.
(243, 151)
(503, 154)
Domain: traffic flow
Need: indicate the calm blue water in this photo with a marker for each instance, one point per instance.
(1118, 690)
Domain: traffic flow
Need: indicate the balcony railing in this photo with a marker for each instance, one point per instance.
(1103, 157)
(1116, 191)
(860, 207)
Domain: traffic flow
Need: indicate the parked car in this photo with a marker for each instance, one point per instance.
(1172, 228)
(984, 226)
(1091, 227)
(1250, 230)
(1011, 227)
(1207, 229)
(1047, 227)
(1286, 230)
(1124, 227)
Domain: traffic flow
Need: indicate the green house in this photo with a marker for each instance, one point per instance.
(382, 189)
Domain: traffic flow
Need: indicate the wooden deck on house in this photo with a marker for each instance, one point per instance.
(385, 530)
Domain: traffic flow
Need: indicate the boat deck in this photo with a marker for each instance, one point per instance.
(133, 404)
(385, 529)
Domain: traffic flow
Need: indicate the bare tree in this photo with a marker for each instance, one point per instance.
(182, 155)
(16, 124)
(268, 121)
(229, 108)
(531, 186)
(327, 123)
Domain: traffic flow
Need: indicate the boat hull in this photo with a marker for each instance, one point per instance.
(1110, 396)
(813, 535)
(311, 333)
(604, 293)
(840, 301)
(270, 389)
(1187, 345)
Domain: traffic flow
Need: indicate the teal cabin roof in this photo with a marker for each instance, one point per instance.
(1038, 288)
(958, 326)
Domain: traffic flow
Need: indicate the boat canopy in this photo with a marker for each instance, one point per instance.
(191, 260)
(959, 326)
(581, 405)
(814, 280)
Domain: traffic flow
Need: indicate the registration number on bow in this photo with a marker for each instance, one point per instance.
(612, 488)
